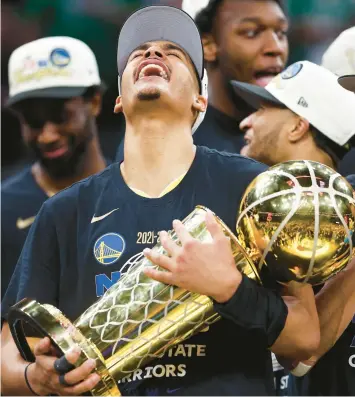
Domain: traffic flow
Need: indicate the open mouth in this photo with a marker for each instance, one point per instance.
(263, 77)
(153, 68)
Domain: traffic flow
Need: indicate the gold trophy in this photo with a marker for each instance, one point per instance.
(138, 318)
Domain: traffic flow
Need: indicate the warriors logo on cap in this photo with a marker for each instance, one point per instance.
(292, 71)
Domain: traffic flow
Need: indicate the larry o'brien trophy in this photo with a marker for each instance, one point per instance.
(296, 220)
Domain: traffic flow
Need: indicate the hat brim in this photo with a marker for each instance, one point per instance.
(160, 23)
(51, 92)
(348, 82)
(254, 95)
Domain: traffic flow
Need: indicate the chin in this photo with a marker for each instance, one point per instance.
(149, 94)
(244, 151)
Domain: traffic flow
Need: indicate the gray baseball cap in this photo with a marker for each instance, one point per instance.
(160, 23)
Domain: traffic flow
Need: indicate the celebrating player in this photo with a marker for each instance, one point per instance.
(162, 178)
(55, 92)
(298, 119)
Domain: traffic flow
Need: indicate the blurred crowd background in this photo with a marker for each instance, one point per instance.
(314, 25)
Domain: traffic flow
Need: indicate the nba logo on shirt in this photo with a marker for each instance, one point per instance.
(108, 248)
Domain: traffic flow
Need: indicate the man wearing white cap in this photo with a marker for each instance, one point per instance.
(55, 92)
(339, 58)
(162, 178)
(304, 113)
(297, 117)
(333, 367)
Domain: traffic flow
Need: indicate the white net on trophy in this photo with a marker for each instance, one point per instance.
(139, 314)
(297, 220)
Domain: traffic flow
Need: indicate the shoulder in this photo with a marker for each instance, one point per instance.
(351, 180)
(17, 181)
(231, 163)
(83, 191)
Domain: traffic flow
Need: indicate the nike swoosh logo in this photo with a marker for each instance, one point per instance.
(24, 223)
(100, 218)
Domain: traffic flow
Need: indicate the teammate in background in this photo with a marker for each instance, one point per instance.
(340, 59)
(55, 90)
(298, 119)
(243, 40)
(162, 178)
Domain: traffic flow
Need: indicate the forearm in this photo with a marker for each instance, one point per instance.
(300, 336)
(12, 367)
(336, 307)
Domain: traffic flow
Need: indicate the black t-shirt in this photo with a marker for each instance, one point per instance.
(58, 266)
(280, 377)
(21, 199)
(334, 373)
(347, 164)
(217, 131)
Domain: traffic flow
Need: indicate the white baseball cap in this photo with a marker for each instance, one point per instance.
(51, 67)
(339, 58)
(193, 7)
(312, 92)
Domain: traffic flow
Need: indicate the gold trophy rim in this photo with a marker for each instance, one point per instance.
(235, 240)
(50, 315)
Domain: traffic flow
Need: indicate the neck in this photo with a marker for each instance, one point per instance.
(92, 163)
(156, 152)
(309, 151)
(221, 97)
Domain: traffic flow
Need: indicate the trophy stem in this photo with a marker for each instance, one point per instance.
(179, 324)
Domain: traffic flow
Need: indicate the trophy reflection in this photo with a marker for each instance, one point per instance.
(138, 319)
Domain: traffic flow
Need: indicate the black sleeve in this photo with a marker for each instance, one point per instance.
(37, 272)
(254, 307)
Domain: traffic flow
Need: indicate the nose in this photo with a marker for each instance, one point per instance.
(49, 134)
(154, 52)
(246, 124)
(274, 46)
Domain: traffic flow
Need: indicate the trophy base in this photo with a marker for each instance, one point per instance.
(50, 322)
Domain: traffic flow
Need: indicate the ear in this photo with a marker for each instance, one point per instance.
(199, 104)
(118, 106)
(96, 104)
(299, 130)
(209, 48)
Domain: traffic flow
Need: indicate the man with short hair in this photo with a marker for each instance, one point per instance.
(242, 40)
(331, 371)
(339, 58)
(128, 206)
(55, 91)
(305, 114)
(296, 118)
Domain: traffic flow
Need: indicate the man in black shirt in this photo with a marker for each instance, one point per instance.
(339, 58)
(332, 370)
(162, 178)
(297, 119)
(55, 92)
(243, 40)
